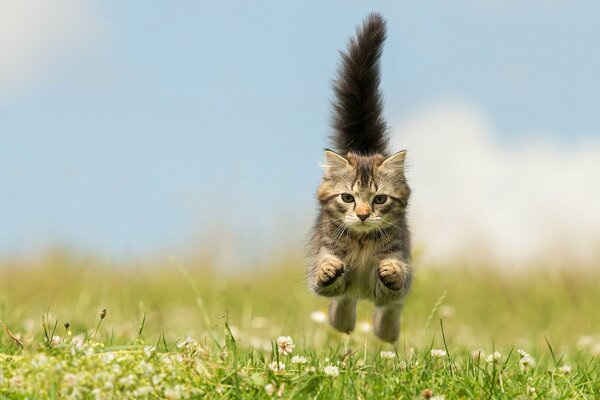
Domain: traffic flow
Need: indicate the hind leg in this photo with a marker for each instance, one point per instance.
(342, 314)
(386, 322)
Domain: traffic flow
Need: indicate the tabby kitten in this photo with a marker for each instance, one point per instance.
(361, 242)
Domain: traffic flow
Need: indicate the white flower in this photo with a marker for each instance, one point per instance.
(331, 370)
(318, 316)
(116, 368)
(173, 393)
(270, 389)
(56, 340)
(387, 354)
(149, 350)
(146, 368)
(437, 397)
(107, 357)
(477, 355)
(77, 341)
(156, 379)
(128, 380)
(530, 390)
(70, 379)
(281, 389)
(565, 369)
(402, 365)
(493, 358)
(285, 344)
(438, 353)
(16, 380)
(187, 343)
(142, 391)
(39, 360)
(299, 360)
(585, 341)
(277, 367)
(527, 363)
(523, 353)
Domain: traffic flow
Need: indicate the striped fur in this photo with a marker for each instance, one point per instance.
(361, 242)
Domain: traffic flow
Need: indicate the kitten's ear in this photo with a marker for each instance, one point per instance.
(334, 162)
(394, 163)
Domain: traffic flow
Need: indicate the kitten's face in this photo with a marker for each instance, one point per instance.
(366, 193)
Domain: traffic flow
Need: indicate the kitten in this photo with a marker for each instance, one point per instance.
(361, 242)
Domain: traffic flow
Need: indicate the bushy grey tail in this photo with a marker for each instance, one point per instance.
(357, 121)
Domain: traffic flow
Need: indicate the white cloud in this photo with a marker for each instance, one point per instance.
(36, 34)
(475, 195)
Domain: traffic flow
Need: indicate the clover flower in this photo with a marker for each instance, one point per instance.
(493, 358)
(565, 369)
(387, 355)
(277, 367)
(522, 353)
(149, 350)
(438, 353)
(331, 370)
(187, 343)
(526, 363)
(270, 389)
(16, 380)
(285, 345)
(477, 355)
(70, 379)
(299, 360)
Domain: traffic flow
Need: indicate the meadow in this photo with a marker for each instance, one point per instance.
(75, 326)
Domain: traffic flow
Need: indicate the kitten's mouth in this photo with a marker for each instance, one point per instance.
(359, 225)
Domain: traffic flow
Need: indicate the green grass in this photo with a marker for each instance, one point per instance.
(233, 319)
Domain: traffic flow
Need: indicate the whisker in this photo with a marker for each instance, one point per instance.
(403, 230)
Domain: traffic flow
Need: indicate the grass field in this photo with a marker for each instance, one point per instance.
(183, 330)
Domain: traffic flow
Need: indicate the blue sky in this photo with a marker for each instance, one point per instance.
(152, 126)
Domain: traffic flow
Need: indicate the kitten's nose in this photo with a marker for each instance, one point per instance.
(363, 210)
(362, 216)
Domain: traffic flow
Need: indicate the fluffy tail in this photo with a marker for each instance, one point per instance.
(357, 121)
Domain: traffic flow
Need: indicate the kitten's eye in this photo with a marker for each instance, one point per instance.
(379, 199)
(347, 198)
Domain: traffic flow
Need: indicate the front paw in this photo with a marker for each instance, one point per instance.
(393, 273)
(329, 269)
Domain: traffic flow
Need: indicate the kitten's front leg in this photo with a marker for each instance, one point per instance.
(395, 278)
(327, 275)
